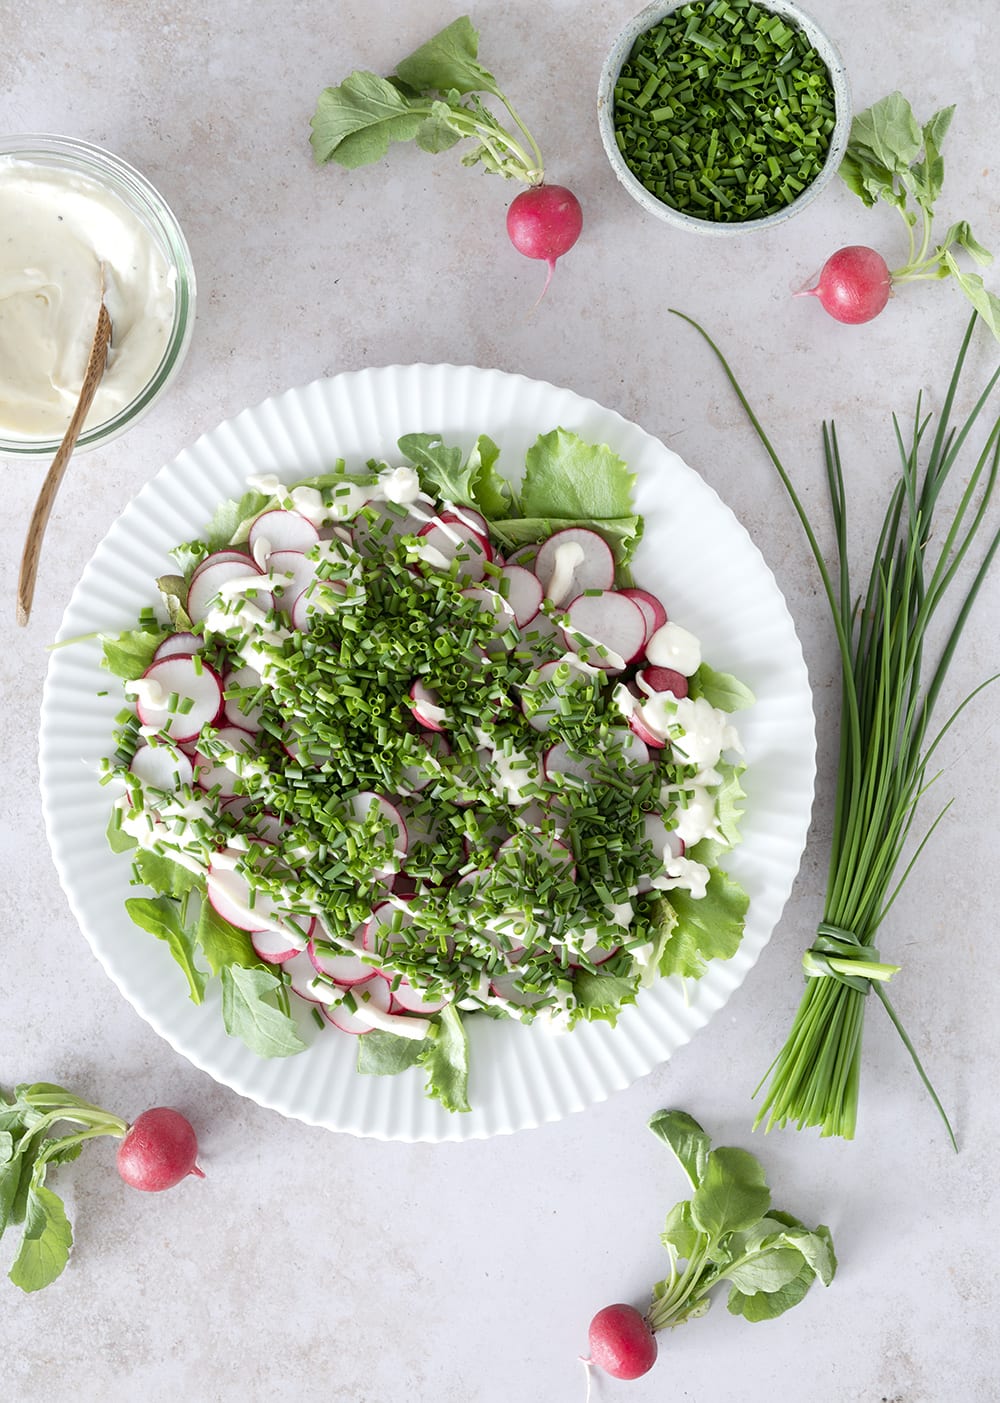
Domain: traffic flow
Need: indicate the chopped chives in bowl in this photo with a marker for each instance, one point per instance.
(724, 110)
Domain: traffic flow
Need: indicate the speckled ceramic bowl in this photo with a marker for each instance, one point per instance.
(618, 56)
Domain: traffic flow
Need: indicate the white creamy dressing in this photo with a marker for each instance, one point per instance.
(148, 692)
(568, 555)
(60, 234)
(674, 647)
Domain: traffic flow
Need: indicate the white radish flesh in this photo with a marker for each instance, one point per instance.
(162, 766)
(372, 994)
(523, 592)
(178, 696)
(280, 530)
(231, 895)
(209, 582)
(612, 629)
(451, 541)
(343, 966)
(241, 711)
(272, 946)
(300, 572)
(427, 709)
(223, 776)
(179, 645)
(407, 999)
(572, 561)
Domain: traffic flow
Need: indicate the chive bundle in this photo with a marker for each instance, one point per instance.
(724, 110)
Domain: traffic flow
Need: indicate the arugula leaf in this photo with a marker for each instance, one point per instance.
(118, 840)
(223, 944)
(355, 122)
(448, 61)
(471, 481)
(46, 1243)
(384, 1054)
(158, 871)
(445, 1058)
(128, 654)
(687, 1140)
(161, 916)
(250, 1012)
(720, 689)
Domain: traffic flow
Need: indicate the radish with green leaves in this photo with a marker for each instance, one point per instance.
(727, 1230)
(158, 1150)
(434, 99)
(891, 157)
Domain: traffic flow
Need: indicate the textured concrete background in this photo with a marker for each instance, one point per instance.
(310, 1265)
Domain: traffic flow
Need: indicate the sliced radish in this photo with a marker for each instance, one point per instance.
(662, 679)
(342, 966)
(559, 759)
(273, 947)
(213, 773)
(179, 644)
(492, 603)
(523, 555)
(162, 766)
(178, 696)
(606, 629)
(595, 954)
(209, 582)
(468, 516)
(240, 711)
(649, 738)
(427, 709)
(634, 750)
(387, 926)
(379, 525)
(280, 530)
(300, 572)
(522, 591)
(373, 993)
(541, 639)
(221, 557)
(572, 561)
(506, 987)
(410, 1000)
(302, 979)
(651, 608)
(236, 902)
(666, 845)
(443, 542)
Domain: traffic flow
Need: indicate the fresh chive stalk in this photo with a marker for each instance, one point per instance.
(891, 682)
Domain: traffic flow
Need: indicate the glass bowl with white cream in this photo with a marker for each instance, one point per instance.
(74, 218)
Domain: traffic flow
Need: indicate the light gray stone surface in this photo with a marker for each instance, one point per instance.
(311, 1265)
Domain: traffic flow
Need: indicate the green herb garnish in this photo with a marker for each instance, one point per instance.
(890, 691)
(724, 111)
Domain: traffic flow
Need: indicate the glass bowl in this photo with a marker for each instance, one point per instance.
(613, 64)
(80, 159)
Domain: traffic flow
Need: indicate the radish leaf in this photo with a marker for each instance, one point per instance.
(384, 1054)
(46, 1243)
(449, 60)
(445, 1058)
(161, 916)
(720, 689)
(687, 1140)
(355, 123)
(250, 1013)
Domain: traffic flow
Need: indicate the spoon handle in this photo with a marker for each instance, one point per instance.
(54, 476)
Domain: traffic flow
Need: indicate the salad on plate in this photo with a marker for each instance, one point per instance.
(405, 746)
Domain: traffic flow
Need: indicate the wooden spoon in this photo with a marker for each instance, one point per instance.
(40, 516)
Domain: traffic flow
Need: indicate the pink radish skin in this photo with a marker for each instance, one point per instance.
(621, 1342)
(853, 286)
(607, 620)
(545, 222)
(179, 644)
(650, 608)
(194, 682)
(662, 679)
(280, 530)
(159, 1151)
(595, 570)
(522, 591)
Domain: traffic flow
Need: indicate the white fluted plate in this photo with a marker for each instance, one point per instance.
(695, 556)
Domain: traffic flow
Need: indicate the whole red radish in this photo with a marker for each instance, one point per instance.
(853, 286)
(621, 1342)
(159, 1151)
(544, 222)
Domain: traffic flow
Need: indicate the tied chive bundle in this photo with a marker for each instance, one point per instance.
(887, 742)
(724, 111)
